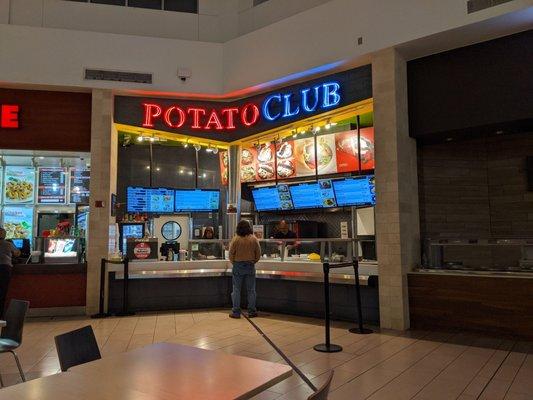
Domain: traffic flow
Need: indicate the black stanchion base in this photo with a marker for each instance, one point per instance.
(124, 314)
(100, 315)
(365, 331)
(324, 348)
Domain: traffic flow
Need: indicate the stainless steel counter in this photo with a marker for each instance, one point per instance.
(490, 274)
(265, 269)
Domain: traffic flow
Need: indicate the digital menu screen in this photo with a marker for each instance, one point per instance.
(357, 191)
(19, 185)
(313, 195)
(272, 198)
(52, 186)
(197, 200)
(79, 186)
(150, 200)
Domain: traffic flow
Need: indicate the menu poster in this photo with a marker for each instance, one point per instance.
(286, 167)
(257, 164)
(18, 222)
(52, 186)
(346, 150)
(19, 187)
(223, 158)
(79, 185)
(368, 160)
(305, 156)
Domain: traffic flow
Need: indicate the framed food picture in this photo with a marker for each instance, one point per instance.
(18, 222)
(305, 155)
(19, 185)
(223, 159)
(286, 166)
(265, 162)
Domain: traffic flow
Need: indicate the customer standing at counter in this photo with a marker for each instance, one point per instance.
(7, 252)
(244, 253)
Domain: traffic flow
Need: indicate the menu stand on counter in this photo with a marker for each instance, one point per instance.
(328, 347)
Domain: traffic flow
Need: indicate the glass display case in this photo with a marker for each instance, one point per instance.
(60, 250)
(492, 254)
(310, 250)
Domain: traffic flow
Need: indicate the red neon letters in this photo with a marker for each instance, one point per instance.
(9, 116)
(200, 118)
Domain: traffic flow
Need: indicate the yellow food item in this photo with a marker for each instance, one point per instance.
(18, 190)
(314, 257)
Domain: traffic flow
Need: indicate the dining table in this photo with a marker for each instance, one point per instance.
(161, 371)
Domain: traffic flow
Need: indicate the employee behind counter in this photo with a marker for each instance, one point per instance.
(208, 250)
(282, 231)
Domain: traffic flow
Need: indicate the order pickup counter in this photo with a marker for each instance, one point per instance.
(286, 283)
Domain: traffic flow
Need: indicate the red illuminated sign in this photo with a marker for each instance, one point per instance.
(200, 118)
(9, 116)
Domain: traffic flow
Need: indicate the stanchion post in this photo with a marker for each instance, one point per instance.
(360, 328)
(125, 298)
(101, 313)
(327, 347)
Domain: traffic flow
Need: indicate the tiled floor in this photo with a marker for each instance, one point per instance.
(380, 366)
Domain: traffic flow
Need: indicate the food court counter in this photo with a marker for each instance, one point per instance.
(294, 287)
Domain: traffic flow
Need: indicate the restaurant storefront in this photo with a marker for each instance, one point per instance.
(303, 154)
(44, 180)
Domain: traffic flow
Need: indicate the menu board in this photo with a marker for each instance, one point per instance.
(272, 198)
(357, 191)
(19, 186)
(52, 186)
(150, 200)
(79, 185)
(313, 195)
(18, 222)
(336, 153)
(223, 158)
(197, 200)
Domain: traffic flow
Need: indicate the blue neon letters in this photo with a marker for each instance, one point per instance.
(325, 95)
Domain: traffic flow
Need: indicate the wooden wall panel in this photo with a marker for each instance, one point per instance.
(59, 121)
(491, 305)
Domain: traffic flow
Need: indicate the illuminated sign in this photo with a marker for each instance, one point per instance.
(241, 118)
(307, 100)
(9, 116)
(275, 106)
(200, 117)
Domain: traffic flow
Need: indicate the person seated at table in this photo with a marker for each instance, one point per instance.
(208, 250)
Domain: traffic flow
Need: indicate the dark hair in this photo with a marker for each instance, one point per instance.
(244, 228)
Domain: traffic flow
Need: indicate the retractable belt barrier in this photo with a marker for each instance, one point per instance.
(125, 311)
(328, 347)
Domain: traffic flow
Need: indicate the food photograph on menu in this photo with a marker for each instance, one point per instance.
(18, 222)
(224, 166)
(19, 186)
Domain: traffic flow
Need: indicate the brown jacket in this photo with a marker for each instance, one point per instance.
(244, 248)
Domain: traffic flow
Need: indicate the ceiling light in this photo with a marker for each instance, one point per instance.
(295, 133)
(204, 175)
(317, 129)
(140, 138)
(152, 139)
(158, 169)
(147, 167)
(41, 158)
(215, 150)
(197, 147)
(190, 172)
(181, 171)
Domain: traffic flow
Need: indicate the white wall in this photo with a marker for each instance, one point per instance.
(216, 21)
(328, 33)
(321, 35)
(58, 57)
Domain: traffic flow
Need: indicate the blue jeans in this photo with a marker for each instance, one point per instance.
(243, 271)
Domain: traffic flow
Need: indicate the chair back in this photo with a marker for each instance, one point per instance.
(77, 347)
(323, 391)
(15, 316)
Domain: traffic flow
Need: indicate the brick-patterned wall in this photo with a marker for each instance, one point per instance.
(476, 188)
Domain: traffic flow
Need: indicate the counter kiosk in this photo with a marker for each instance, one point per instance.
(303, 154)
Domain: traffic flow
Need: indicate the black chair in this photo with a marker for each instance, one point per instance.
(323, 391)
(11, 336)
(77, 347)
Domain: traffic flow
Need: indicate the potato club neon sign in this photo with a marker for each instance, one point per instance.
(9, 116)
(274, 107)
